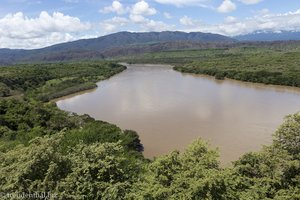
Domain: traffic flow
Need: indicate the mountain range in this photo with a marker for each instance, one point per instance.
(95, 48)
(127, 43)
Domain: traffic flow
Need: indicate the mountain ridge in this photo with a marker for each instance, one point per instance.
(92, 48)
(133, 43)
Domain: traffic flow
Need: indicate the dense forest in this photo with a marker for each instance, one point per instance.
(268, 67)
(45, 82)
(44, 149)
(277, 64)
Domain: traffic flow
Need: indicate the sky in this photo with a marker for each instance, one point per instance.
(29, 24)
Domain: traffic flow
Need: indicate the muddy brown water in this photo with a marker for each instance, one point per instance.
(170, 109)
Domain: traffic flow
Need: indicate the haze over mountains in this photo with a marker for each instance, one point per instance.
(269, 36)
(127, 43)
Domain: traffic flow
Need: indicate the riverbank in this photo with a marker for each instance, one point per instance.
(47, 148)
(256, 76)
(44, 82)
(170, 109)
(267, 65)
(255, 85)
(28, 112)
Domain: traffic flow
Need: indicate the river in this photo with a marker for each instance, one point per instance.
(169, 109)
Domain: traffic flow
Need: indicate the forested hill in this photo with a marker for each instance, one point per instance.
(95, 47)
(128, 38)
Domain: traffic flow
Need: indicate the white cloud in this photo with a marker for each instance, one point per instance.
(187, 21)
(137, 18)
(248, 2)
(142, 8)
(151, 25)
(168, 15)
(230, 20)
(113, 24)
(226, 7)
(116, 7)
(139, 10)
(146, 24)
(179, 3)
(268, 22)
(17, 30)
(32, 43)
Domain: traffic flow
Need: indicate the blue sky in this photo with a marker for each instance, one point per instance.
(39, 23)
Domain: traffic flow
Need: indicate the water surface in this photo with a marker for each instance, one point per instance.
(170, 109)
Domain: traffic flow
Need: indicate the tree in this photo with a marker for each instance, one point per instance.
(4, 90)
(287, 137)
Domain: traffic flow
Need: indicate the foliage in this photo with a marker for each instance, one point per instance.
(48, 81)
(268, 63)
(280, 68)
(22, 121)
(98, 171)
(189, 175)
(288, 135)
(4, 90)
(44, 149)
(108, 170)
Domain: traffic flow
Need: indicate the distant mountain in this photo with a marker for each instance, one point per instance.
(95, 48)
(128, 38)
(132, 50)
(269, 36)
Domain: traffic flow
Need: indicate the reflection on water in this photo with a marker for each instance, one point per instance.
(170, 109)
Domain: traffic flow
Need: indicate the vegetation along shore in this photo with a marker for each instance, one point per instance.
(271, 63)
(46, 149)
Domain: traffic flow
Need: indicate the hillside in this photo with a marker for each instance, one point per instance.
(132, 44)
(93, 48)
(128, 38)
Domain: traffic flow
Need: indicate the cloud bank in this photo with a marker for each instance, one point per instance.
(231, 26)
(20, 31)
(17, 30)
